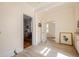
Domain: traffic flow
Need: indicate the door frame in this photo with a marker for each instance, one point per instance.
(42, 32)
(48, 22)
(23, 28)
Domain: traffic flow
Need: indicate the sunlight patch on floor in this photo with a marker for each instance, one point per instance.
(45, 51)
(45, 54)
(61, 55)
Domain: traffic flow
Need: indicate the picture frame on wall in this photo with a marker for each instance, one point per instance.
(66, 38)
(39, 24)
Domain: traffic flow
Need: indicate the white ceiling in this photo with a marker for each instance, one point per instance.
(38, 4)
(43, 5)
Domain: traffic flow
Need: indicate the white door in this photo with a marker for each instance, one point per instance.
(44, 34)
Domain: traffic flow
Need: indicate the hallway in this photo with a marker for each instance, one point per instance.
(49, 49)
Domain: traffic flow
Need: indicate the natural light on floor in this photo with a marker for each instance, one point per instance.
(61, 55)
(45, 54)
(46, 50)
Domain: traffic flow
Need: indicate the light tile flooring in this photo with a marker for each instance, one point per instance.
(49, 49)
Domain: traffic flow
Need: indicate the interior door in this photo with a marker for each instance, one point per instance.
(44, 34)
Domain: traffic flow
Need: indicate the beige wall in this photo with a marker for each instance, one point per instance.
(11, 27)
(76, 36)
(65, 20)
(76, 9)
(11, 24)
(63, 16)
(51, 29)
(38, 29)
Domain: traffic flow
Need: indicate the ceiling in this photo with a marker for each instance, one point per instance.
(38, 4)
(43, 5)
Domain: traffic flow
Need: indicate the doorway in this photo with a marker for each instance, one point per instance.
(51, 30)
(27, 24)
(48, 31)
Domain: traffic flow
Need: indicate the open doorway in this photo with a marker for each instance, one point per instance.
(50, 30)
(27, 21)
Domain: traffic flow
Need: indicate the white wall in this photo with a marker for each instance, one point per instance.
(51, 29)
(63, 16)
(76, 9)
(11, 27)
(76, 42)
(11, 24)
(65, 20)
(38, 29)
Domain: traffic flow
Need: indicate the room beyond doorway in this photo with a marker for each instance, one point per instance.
(51, 30)
(27, 21)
